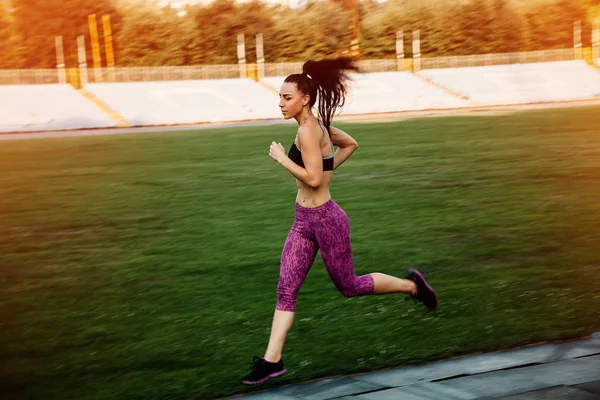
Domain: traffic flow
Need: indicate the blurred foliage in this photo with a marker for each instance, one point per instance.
(10, 55)
(36, 24)
(146, 34)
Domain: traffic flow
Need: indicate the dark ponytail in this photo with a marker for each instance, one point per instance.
(325, 80)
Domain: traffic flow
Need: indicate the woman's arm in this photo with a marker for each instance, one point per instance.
(346, 146)
(312, 173)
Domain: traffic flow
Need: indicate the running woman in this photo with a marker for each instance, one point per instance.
(320, 224)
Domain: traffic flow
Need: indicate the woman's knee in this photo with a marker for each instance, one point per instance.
(359, 286)
(349, 290)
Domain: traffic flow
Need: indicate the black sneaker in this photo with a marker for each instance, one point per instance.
(262, 370)
(425, 293)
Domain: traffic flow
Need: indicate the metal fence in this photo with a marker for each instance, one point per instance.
(28, 76)
(382, 65)
(497, 59)
(125, 74)
(233, 71)
(147, 74)
(282, 69)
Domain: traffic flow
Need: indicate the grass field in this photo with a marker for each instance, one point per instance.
(145, 266)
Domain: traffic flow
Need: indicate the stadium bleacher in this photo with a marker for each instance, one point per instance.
(388, 92)
(186, 102)
(61, 107)
(520, 83)
(26, 108)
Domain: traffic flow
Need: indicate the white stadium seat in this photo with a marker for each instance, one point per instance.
(187, 102)
(61, 107)
(48, 107)
(520, 83)
(388, 92)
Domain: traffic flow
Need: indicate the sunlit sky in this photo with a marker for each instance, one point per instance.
(180, 4)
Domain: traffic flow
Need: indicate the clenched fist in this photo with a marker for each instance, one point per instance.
(277, 152)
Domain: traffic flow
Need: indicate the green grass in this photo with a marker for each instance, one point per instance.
(145, 266)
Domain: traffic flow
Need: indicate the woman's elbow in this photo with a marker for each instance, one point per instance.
(352, 147)
(315, 182)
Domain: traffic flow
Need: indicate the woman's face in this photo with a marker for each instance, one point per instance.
(291, 100)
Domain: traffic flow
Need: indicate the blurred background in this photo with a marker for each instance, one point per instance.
(177, 33)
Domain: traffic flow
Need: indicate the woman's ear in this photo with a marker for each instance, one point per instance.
(306, 99)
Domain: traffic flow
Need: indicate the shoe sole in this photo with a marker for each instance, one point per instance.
(415, 271)
(273, 375)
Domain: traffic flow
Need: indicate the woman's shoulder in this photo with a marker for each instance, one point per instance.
(309, 133)
(309, 130)
(316, 127)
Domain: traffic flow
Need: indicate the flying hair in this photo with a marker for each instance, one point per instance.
(325, 80)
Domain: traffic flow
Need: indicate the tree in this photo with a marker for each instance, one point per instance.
(216, 28)
(506, 26)
(38, 22)
(320, 30)
(476, 20)
(152, 36)
(10, 56)
(218, 24)
(550, 25)
(145, 34)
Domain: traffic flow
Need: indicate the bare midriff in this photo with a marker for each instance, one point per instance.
(309, 197)
(315, 197)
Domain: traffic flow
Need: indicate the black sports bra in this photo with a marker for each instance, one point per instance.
(296, 156)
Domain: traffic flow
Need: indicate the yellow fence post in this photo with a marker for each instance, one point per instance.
(416, 50)
(108, 47)
(260, 57)
(83, 75)
(95, 48)
(60, 59)
(596, 41)
(241, 50)
(73, 77)
(577, 41)
(400, 50)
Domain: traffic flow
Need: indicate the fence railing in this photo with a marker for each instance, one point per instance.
(381, 65)
(284, 69)
(178, 73)
(125, 74)
(232, 71)
(497, 59)
(28, 76)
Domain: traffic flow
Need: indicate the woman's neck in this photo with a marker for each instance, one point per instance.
(304, 117)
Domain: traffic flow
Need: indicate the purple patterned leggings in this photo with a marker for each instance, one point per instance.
(324, 228)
